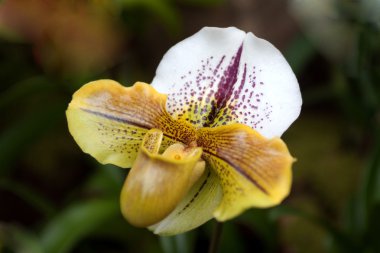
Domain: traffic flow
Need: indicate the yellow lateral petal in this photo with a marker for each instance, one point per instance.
(106, 140)
(108, 120)
(254, 171)
(156, 183)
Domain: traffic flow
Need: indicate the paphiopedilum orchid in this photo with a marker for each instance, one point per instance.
(202, 140)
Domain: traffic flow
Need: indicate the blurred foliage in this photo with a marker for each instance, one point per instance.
(56, 199)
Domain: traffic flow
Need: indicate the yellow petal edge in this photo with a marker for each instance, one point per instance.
(109, 121)
(253, 171)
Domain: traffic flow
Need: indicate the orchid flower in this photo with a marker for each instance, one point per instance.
(202, 140)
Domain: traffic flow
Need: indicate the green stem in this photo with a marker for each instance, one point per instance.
(215, 240)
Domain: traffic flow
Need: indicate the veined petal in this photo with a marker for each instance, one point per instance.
(109, 121)
(223, 75)
(196, 208)
(253, 171)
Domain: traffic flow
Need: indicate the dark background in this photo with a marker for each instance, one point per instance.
(54, 198)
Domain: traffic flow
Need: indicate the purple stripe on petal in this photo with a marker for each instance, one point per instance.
(225, 87)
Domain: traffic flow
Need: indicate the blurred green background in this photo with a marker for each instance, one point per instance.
(56, 199)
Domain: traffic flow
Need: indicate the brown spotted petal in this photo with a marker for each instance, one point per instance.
(109, 121)
(253, 171)
(157, 183)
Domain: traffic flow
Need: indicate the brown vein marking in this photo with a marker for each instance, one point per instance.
(196, 194)
(118, 119)
(176, 130)
(240, 170)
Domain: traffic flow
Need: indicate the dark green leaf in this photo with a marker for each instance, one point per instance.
(17, 138)
(27, 194)
(77, 222)
(19, 240)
